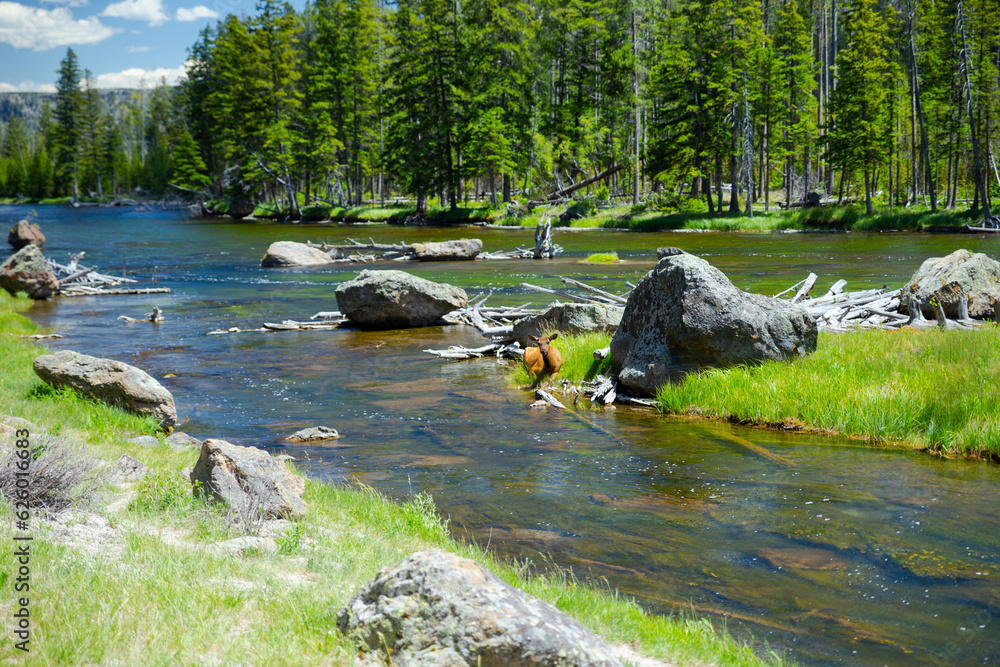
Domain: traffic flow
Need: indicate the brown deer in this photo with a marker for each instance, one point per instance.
(543, 359)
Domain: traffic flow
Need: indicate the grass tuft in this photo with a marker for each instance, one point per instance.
(602, 258)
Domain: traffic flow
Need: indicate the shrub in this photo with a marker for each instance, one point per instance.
(62, 475)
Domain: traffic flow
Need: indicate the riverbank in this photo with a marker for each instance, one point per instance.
(928, 390)
(169, 597)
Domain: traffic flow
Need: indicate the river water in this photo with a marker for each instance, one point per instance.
(847, 554)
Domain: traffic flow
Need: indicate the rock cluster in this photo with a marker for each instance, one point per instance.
(248, 479)
(396, 299)
(27, 270)
(685, 315)
(109, 381)
(962, 273)
(436, 609)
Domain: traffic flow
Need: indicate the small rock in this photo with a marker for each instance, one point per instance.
(145, 441)
(24, 233)
(181, 440)
(314, 433)
(396, 299)
(27, 270)
(127, 469)
(290, 253)
(445, 251)
(110, 381)
(245, 478)
(241, 546)
(436, 608)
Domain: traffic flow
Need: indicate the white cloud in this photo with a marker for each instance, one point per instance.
(195, 13)
(139, 49)
(40, 29)
(69, 3)
(131, 77)
(150, 11)
(27, 87)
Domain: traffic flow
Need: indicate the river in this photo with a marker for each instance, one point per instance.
(850, 555)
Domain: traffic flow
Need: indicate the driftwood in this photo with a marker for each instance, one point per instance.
(155, 317)
(543, 395)
(605, 295)
(81, 290)
(560, 194)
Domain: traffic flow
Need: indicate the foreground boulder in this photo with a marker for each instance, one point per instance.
(248, 479)
(109, 381)
(568, 318)
(436, 608)
(394, 299)
(24, 233)
(443, 251)
(962, 273)
(685, 315)
(290, 253)
(27, 270)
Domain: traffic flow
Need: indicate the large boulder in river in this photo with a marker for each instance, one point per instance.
(290, 253)
(27, 270)
(396, 299)
(973, 275)
(109, 381)
(248, 480)
(685, 315)
(24, 233)
(568, 318)
(441, 251)
(437, 609)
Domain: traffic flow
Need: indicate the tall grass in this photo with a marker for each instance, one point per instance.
(153, 595)
(930, 389)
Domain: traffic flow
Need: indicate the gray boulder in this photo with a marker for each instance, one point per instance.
(685, 315)
(442, 251)
(313, 434)
(110, 381)
(973, 275)
(181, 440)
(290, 253)
(436, 609)
(568, 318)
(27, 270)
(247, 478)
(24, 233)
(396, 299)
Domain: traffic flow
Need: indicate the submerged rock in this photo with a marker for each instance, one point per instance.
(110, 381)
(27, 270)
(247, 478)
(290, 253)
(568, 318)
(396, 299)
(685, 315)
(440, 251)
(436, 608)
(24, 233)
(945, 279)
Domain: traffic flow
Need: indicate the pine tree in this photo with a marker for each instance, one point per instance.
(69, 101)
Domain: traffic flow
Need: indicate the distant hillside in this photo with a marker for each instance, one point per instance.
(29, 105)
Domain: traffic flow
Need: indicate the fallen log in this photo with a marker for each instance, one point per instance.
(543, 395)
(606, 295)
(79, 290)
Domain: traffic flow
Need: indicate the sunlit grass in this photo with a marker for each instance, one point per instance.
(154, 596)
(935, 389)
(602, 258)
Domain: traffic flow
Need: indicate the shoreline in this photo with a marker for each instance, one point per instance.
(153, 529)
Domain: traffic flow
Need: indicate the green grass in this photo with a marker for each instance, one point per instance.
(578, 359)
(601, 258)
(153, 596)
(931, 389)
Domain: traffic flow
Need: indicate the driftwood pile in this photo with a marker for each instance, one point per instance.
(322, 321)
(839, 311)
(78, 280)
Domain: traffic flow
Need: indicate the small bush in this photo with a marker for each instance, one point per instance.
(162, 490)
(602, 258)
(61, 474)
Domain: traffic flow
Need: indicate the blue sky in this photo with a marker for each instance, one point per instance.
(121, 42)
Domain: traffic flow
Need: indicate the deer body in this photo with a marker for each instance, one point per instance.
(543, 359)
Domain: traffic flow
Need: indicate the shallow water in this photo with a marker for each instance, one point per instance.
(830, 553)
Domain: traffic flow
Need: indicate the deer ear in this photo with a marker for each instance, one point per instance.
(534, 338)
(554, 336)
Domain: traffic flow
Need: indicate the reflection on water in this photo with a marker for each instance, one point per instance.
(827, 550)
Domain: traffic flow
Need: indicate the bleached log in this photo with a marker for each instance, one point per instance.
(79, 290)
(594, 290)
(632, 400)
(327, 315)
(497, 331)
(565, 295)
(790, 289)
(549, 398)
(836, 288)
(806, 288)
(602, 354)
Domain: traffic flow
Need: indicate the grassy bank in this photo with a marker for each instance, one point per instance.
(929, 389)
(933, 389)
(151, 593)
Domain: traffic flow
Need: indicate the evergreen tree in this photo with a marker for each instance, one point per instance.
(69, 102)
